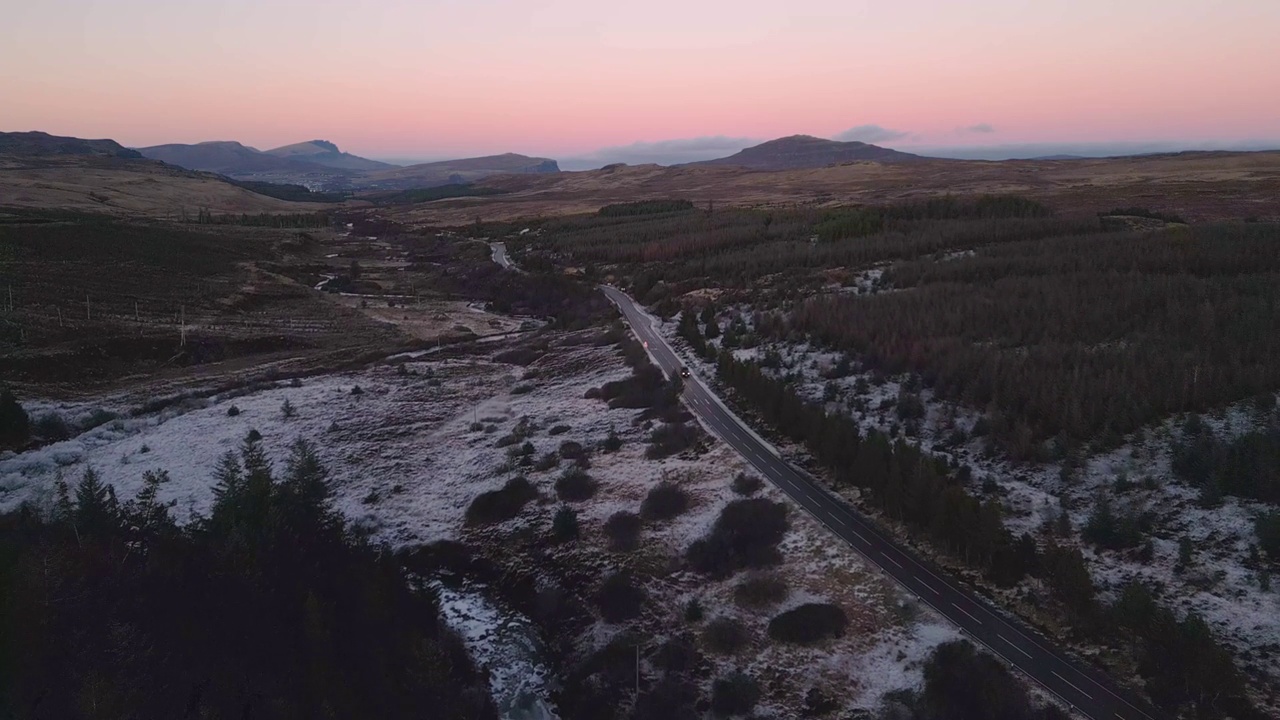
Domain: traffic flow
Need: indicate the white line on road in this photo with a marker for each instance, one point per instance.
(1015, 647)
(966, 612)
(1055, 672)
(895, 562)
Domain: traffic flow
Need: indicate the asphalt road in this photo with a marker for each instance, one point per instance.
(1088, 691)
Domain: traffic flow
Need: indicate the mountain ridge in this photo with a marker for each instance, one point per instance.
(795, 152)
(41, 144)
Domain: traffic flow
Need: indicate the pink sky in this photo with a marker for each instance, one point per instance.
(452, 77)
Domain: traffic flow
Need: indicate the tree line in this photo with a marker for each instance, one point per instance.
(1076, 338)
(645, 207)
(270, 607)
(928, 494)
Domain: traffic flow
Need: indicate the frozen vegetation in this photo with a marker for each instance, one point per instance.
(411, 444)
(1222, 580)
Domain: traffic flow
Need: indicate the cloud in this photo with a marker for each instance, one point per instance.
(870, 134)
(979, 128)
(662, 152)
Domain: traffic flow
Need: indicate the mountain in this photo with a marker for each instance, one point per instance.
(320, 165)
(323, 152)
(43, 171)
(805, 151)
(221, 156)
(464, 170)
(40, 144)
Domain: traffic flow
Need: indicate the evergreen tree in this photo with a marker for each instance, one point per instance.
(96, 509)
(15, 425)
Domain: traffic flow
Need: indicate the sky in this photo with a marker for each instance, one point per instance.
(589, 82)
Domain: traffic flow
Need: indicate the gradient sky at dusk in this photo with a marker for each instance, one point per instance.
(439, 78)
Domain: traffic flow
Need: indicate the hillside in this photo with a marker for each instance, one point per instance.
(101, 176)
(805, 151)
(221, 156)
(40, 144)
(323, 152)
(1197, 186)
(459, 171)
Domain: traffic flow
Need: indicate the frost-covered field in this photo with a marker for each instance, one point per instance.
(410, 449)
(1218, 584)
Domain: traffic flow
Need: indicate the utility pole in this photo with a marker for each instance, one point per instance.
(87, 311)
(59, 316)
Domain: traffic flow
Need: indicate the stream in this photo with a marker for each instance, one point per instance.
(506, 646)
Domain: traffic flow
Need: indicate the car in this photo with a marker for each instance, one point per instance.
(684, 372)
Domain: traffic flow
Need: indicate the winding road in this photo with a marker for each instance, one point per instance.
(1088, 691)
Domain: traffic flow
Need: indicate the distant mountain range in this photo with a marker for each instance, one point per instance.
(320, 165)
(39, 170)
(805, 151)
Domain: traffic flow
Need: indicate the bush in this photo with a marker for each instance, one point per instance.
(671, 438)
(564, 526)
(725, 635)
(522, 389)
(677, 655)
(97, 418)
(623, 531)
(619, 599)
(612, 443)
(571, 450)
(693, 611)
(233, 411)
(818, 704)
(734, 694)
(356, 390)
(760, 591)
(664, 502)
(15, 425)
(500, 505)
(559, 430)
(574, 485)
(745, 535)
(745, 484)
(910, 406)
(287, 410)
(547, 462)
(51, 427)
(808, 624)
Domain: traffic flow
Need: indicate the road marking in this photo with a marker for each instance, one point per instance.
(931, 588)
(895, 562)
(966, 612)
(1055, 673)
(842, 523)
(855, 532)
(1015, 647)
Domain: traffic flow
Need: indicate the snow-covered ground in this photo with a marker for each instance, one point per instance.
(1219, 585)
(410, 450)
